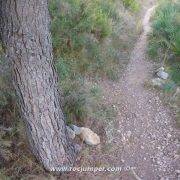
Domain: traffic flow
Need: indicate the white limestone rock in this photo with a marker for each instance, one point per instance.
(89, 137)
(162, 74)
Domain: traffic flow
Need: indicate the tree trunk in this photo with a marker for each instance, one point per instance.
(24, 28)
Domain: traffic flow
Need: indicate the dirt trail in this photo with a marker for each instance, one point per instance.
(143, 131)
(142, 139)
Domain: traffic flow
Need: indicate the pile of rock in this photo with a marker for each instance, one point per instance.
(162, 74)
(86, 134)
(161, 77)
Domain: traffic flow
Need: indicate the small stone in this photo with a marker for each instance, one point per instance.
(163, 75)
(171, 57)
(76, 129)
(169, 135)
(157, 82)
(114, 106)
(163, 178)
(123, 138)
(176, 156)
(70, 132)
(176, 141)
(119, 131)
(177, 171)
(129, 134)
(160, 69)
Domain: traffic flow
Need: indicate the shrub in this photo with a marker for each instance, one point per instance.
(132, 4)
(83, 34)
(166, 28)
(79, 17)
(175, 72)
(164, 44)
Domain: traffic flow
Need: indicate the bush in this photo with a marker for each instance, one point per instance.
(132, 4)
(84, 33)
(73, 18)
(174, 69)
(166, 29)
(78, 30)
(164, 39)
(164, 44)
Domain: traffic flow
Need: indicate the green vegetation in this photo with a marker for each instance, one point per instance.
(91, 40)
(165, 38)
(85, 42)
(131, 4)
(166, 28)
(164, 44)
(78, 30)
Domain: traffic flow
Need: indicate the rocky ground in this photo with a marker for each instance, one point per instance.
(145, 126)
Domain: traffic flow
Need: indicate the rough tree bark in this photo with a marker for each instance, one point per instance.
(24, 29)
